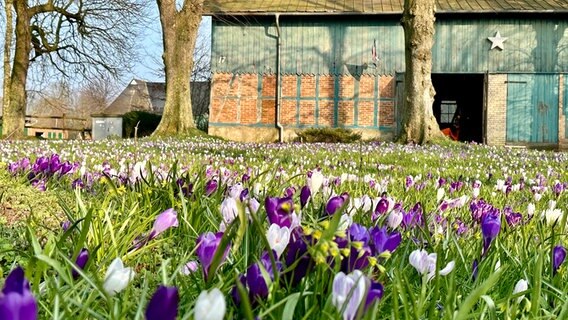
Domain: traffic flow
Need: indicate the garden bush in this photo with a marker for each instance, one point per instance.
(332, 135)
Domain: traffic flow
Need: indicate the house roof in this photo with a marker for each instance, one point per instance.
(138, 95)
(250, 7)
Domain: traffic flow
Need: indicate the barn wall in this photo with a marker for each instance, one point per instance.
(364, 104)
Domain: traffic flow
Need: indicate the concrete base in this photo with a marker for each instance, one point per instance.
(267, 134)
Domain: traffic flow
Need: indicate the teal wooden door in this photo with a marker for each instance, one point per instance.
(532, 108)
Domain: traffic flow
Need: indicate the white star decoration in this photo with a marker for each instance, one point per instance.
(497, 41)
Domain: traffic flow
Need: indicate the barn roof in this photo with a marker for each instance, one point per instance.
(324, 7)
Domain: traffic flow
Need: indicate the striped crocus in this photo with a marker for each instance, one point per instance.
(164, 304)
(558, 257)
(16, 298)
(348, 293)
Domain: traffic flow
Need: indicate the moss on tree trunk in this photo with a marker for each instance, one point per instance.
(418, 122)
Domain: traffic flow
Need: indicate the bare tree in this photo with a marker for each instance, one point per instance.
(86, 38)
(418, 122)
(179, 32)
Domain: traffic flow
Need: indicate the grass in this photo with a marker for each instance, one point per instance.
(113, 210)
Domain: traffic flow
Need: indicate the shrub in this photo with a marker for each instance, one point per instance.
(148, 123)
(333, 135)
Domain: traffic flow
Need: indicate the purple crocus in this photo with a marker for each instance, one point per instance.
(382, 241)
(207, 246)
(210, 187)
(513, 218)
(474, 269)
(335, 203)
(298, 256)
(16, 298)
(305, 195)
(279, 210)
(558, 257)
(490, 227)
(80, 262)
(65, 225)
(258, 288)
(163, 222)
(382, 207)
(375, 293)
(164, 304)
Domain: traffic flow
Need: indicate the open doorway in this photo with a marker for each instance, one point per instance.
(458, 105)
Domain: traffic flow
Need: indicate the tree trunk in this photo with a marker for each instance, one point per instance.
(418, 123)
(179, 31)
(14, 116)
(7, 54)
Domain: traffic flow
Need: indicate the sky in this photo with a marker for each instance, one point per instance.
(151, 49)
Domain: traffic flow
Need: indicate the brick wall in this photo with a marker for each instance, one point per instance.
(496, 109)
(365, 103)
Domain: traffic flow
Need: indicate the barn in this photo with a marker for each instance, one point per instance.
(283, 65)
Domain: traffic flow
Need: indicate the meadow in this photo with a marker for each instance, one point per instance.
(210, 229)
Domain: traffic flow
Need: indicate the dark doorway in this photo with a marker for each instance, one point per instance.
(458, 104)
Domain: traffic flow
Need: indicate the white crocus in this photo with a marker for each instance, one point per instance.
(278, 238)
(440, 194)
(552, 215)
(425, 263)
(210, 305)
(531, 209)
(315, 182)
(229, 210)
(522, 285)
(117, 277)
(344, 222)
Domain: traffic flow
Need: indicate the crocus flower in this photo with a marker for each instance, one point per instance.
(190, 267)
(375, 293)
(490, 227)
(558, 257)
(229, 210)
(522, 285)
(210, 305)
(348, 292)
(255, 281)
(278, 238)
(117, 277)
(382, 241)
(381, 208)
(394, 219)
(474, 270)
(80, 262)
(16, 298)
(315, 180)
(164, 304)
(305, 195)
(164, 221)
(65, 225)
(279, 210)
(210, 187)
(207, 246)
(335, 203)
(425, 263)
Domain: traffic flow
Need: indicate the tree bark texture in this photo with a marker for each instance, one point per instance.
(7, 53)
(14, 114)
(418, 122)
(179, 31)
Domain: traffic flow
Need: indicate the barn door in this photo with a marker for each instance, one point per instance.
(532, 108)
